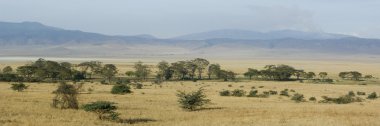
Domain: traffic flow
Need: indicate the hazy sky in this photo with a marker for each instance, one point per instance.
(168, 18)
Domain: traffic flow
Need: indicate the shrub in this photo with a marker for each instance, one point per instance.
(291, 90)
(193, 100)
(373, 95)
(263, 95)
(225, 93)
(272, 92)
(284, 93)
(104, 109)
(298, 97)
(238, 93)
(252, 93)
(351, 93)
(360, 93)
(341, 100)
(261, 86)
(103, 82)
(253, 87)
(312, 99)
(229, 85)
(139, 86)
(266, 92)
(66, 97)
(19, 87)
(121, 89)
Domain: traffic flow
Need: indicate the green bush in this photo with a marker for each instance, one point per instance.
(139, 86)
(298, 97)
(261, 86)
(312, 99)
(121, 89)
(273, 92)
(193, 100)
(341, 100)
(351, 93)
(360, 93)
(284, 93)
(66, 97)
(238, 93)
(19, 87)
(291, 90)
(225, 93)
(252, 93)
(104, 109)
(373, 95)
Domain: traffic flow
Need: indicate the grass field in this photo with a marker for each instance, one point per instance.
(157, 106)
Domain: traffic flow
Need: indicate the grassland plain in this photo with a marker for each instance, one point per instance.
(159, 103)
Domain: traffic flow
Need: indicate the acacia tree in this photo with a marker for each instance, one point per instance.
(109, 71)
(191, 67)
(213, 69)
(141, 71)
(179, 69)
(309, 75)
(299, 73)
(7, 70)
(163, 67)
(251, 72)
(201, 65)
(26, 71)
(91, 67)
(323, 75)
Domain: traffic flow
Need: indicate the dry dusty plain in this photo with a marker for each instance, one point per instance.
(157, 105)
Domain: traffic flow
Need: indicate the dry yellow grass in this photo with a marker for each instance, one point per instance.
(32, 107)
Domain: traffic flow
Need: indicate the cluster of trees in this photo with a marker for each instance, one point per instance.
(46, 70)
(182, 70)
(352, 75)
(281, 73)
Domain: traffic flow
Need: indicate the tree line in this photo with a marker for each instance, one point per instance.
(43, 70)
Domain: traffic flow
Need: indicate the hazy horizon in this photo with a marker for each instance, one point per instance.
(164, 18)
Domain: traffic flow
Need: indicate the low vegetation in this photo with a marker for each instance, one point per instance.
(192, 101)
(104, 109)
(65, 97)
(121, 89)
(19, 87)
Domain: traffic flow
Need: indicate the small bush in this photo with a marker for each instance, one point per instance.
(139, 86)
(19, 87)
(193, 100)
(360, 93)
(312, 99)
(298, 97)
(66, 97)
(121, 89)
(266, 92)
(373, 95)
(103, 82)
(351, 93)
(104, 109)
(272, 92)
(261, 86)
(341, 100)
(238, 93)
(225, 93)
(252, 93)
(284, 93)
(291, 90)
(241, 86)
(253, 87)
(229, 85)
(263, 95)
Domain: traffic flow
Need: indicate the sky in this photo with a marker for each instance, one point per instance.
(170, 18)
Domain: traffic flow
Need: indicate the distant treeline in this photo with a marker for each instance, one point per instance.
(197, 69)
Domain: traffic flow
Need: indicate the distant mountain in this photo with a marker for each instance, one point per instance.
(37, 33)
(253, 35)
(36, 39)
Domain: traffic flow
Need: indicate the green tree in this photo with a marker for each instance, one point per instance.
(141, 70)
(251, 72)
(213, 69)
(179, 69)
(7, 70)
(323, 75)
(201, 65)
(310, 75)
(109, 71)
(26, 71)
(191, 67)
(163, 67)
